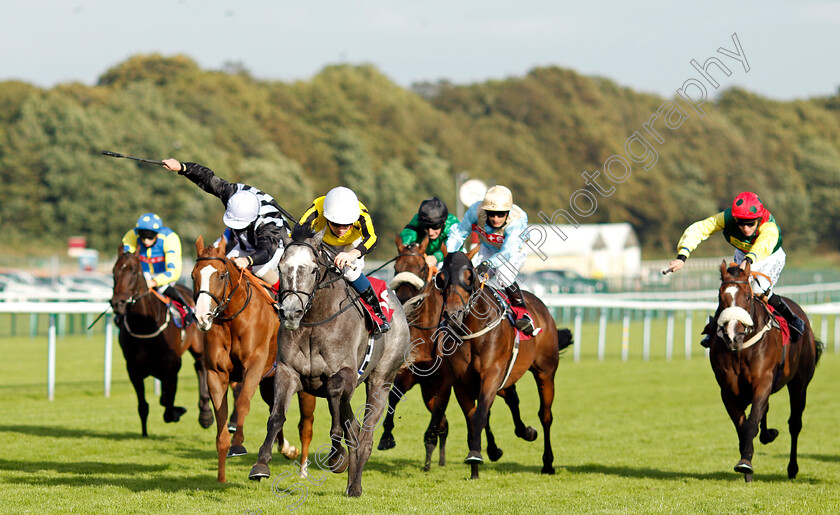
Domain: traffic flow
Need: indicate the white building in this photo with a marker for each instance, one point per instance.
(593, 250)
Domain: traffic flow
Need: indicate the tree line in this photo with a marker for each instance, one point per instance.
(351, 125)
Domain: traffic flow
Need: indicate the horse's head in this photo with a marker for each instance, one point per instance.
(735, 304)
(129, 283)
(457, 282)
(211, 282)
(411, 269)
(299, 274)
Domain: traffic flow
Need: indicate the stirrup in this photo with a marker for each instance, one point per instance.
(382, 328)
(525, 325)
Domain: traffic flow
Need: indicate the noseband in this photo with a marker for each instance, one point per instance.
(221, 305)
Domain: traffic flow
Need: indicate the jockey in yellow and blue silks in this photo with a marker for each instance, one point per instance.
(749, 227)
(348, 231)
(159, 249)
(499, 224)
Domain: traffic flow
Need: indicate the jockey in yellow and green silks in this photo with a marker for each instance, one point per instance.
(749, 227)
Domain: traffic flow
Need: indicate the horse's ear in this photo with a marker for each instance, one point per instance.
(316, 240)
(443, 249)
(222, 245)
(473, 251)
(722, 268)
(285, 237)
(199, 244)
(121, 250)
(400, 246)
(747, 268)
(424, 244)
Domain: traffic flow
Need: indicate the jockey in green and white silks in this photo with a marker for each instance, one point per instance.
(749, 227)
(434, 220)
(499, 224)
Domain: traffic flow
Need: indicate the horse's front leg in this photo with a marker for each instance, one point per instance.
(481, 416)
(251, 377)
(339, 391)
(286, 384)
(136, 378)
(205, 412)
(169, 386)
(468, 407)
(438, 426)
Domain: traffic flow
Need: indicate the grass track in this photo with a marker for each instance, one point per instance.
(629, 437)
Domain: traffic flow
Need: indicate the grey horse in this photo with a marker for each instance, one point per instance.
(323, 349)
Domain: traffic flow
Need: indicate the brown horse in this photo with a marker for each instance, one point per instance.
(152, 344)
(413, 286)
(486, 358)
(241, 331)
(751, 362)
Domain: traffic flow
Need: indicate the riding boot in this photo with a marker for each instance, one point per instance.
(173, 293)
(369, 296)
(524, 323)
(797, 326)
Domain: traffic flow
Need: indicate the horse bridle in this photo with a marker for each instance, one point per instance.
(131, 300)
(221, 305)
(751, 302)
(320, 283)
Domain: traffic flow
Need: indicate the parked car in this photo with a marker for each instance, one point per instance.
(561, 281)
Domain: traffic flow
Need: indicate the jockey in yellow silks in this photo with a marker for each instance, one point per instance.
(348, 231)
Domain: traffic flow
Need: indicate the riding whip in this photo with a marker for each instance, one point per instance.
(142, 160)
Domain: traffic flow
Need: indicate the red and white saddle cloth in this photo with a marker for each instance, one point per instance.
(380, 287)
(783, 325)
(515, 313)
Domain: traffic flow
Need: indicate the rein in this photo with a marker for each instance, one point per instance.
(132, 300)
(759, 334)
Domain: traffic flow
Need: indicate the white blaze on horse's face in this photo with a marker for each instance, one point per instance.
(733, 315)
(202, 303)
(297, 272)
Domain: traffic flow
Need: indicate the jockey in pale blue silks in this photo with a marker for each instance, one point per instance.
(499, 224)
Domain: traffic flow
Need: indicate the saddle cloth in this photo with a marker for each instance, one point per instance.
(514, 313)
(783, 325)
(380, 287)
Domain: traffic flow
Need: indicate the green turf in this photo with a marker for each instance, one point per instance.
(634, 437)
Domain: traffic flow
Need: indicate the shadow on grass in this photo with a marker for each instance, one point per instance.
(397, 466)
(649, 473)
(62, 432)
(829, 458)
(124, 475)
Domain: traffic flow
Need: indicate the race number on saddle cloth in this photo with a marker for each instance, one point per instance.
(373, 320)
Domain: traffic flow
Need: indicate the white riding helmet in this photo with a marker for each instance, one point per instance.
(242, 209)
(341, 206)
(497, 198)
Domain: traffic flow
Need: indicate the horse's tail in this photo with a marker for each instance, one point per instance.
(564, 339)
(820, 348)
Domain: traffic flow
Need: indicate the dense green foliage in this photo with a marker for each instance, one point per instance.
(351, 125)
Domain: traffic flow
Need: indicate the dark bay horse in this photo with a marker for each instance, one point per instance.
(152, 344)
(422, 302)
(325, 350)
(751, 362)
(484, 356)
(241, 331)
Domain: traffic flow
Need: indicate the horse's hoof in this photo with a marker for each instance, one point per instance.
(205, 419)
(174, 415)
(386, 443)
(231, 427)
(769, 436)
(529, 434)
(473, 457)
(744, 467)
(236, 450)
(494, 454)
(259, 471)
(339, 462)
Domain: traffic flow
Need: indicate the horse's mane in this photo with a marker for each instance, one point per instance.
(302, 232)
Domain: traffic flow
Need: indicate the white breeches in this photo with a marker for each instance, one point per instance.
(771, 266)
(507, 272)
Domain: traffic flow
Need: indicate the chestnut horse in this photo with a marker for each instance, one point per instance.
(241, 331)
(413, 286)
(485, 356)
(152, 344)
(751, 361)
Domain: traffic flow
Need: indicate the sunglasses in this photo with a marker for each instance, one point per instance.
(341, 226)
(496, 214)
(147, 235)
(747, 223)
(434, 227)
